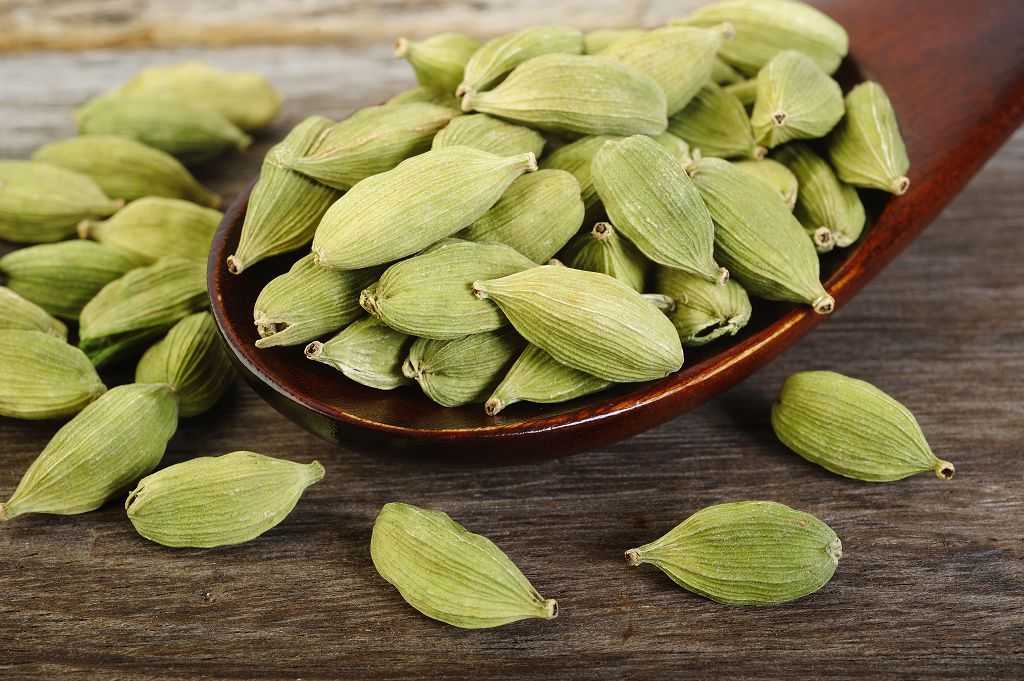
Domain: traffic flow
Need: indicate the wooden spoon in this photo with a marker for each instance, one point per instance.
(955, 74)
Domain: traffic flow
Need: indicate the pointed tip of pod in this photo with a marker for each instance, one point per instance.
(824, 240)
(3, 513)
(550, 609)
(316, 470)
(723, 276)
(493, 406)
(555, 262)
(824, 305)
(759, 152)
(727, 30)
(461, 90)
(409, 371)
(368, 301)
(944, 470)
(531, 161)
(602, 230)
(835, 550)
(84, 229)
(479, 291)
(314, 350)
(235, 264)
(900, 185)
(633, 557)
(401, 48)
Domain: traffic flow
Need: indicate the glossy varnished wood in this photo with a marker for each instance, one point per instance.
(955, 74)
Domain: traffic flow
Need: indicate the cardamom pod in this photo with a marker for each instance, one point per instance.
(421, 201)
(192, 133)
(676, 146)
(486, 133)
(775, 175)
(743, 90)
(537, 377)
(653, 203)
(285, 206)
(99, 453)
(126, 169)
(536, 215)
(62, 277)
(678, 58)
(703, 311)
(464, 370)
(371, 141)
(368, 351)
(192, 360)
(498, 56)
(431, 295)
(42, 377)
(576, 158)
(852, 428)
(438, 61)
(866, 147)
(597, 41)
(824, 201)
(450, 574)
(795, 100)
(18, 313)
(428, 95)
(151, 228)
(576, 93)
(601, 250)
(746, 553)
(142, 304)
(215, 501)
(723, 74)
(243, 97)
(716, 123)
(41, 202)
(308, 301)
(758, 238)
(766, 27)
(588, 321)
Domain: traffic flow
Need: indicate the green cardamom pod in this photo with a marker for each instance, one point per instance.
(369, 142)
(18, 313)
(576, 93)
(192, 133)
(367, 351)
(99, 453)
(498, 56)
(486, 133)
(795, 100)
(431, 295)
(537, 377)
(576, 158)
(464, 370)
(766, 27)
(678, 58)
(597, 41)
(142, 304)
(308, 301)
(42, 377)
(243, 97)
(676, 146)
(703, 311)
(723, 74)
(151, 228)
(438, 61)
(588, 321)
(716, 123)
(62, 277)
(421, 201)
(601, 250)
(824, 201)
(428, 95)
(757, 237)
(285, 206)
(192, 360)
(743, 90)
(41, 202)
(126, 169)
(536, 215)
(450, 574)
(775, 175)
(653, 203)
(866, 147)
(215, 501)
(852, 428)
(746, 553)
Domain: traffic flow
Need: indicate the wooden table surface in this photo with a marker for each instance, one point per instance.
(931, 584)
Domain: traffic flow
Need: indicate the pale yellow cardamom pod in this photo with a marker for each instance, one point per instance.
(367, 351)
(490, 134)
(702, 311)
(42, 377)
(715, 123)
(498, 56)
(439, 61)
(866, 147)
(795, 100)
(599, 40)
(537, 377)
(774, 174)
(151, 228)
(824, 202)
(18, 313)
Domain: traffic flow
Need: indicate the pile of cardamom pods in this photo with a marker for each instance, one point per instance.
(547, 214)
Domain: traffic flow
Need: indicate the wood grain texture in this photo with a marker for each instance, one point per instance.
(931, 584)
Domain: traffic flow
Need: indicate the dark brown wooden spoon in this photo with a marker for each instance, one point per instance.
(955, 74)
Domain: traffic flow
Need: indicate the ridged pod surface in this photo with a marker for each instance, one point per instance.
(602, 250)
(489, 134)
(151, 228)
(775, 175)
(438, 61)
(42, 377)
(795, 100)
(852, 428)
(368, 351)
(576, 158)
(537, 377)
(824, 200)
(498, 56)
(599, 40)
(866, 147)
(429, 95)
(215, 501)
(21, 314)
(746, 553)
(450, 574)
(716, 123)
(703, 311)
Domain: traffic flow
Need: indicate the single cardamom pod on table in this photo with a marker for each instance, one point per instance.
(866, 147)
(42, 377)
(824, 202)
(20, 314)
(537, 377)
(746, 553)
(852, 428)
(498, 56)
(438, 61)
(703, 311)
(602, 250)
(489, 134)
(450, 574)
(368, 351)
(215, 501)
(795, 100)
(99, 453)
(716, 123)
